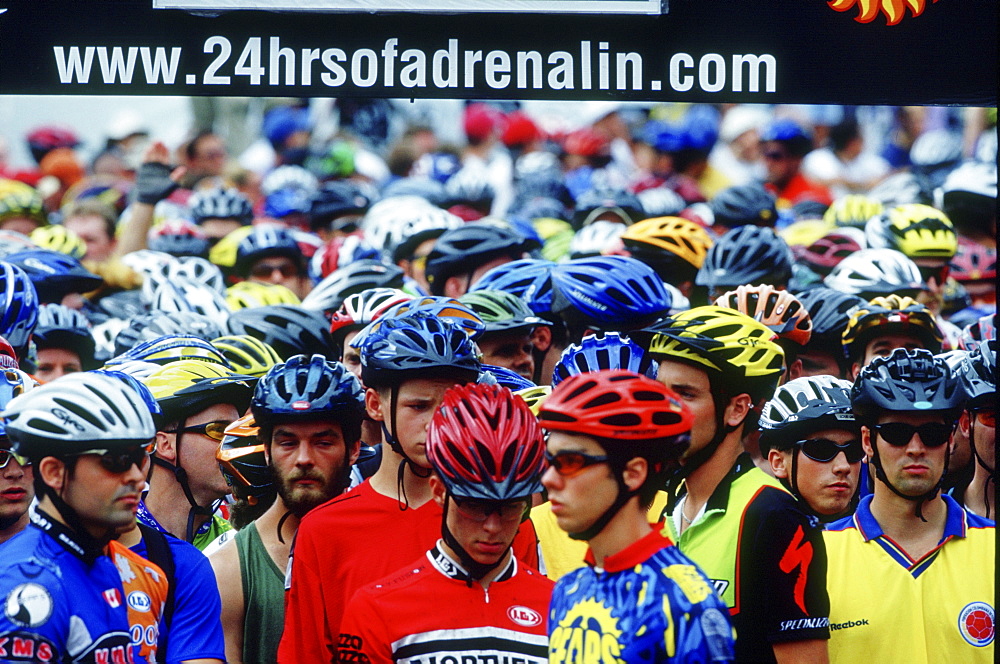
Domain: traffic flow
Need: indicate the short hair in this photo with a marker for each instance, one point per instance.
(93, 206)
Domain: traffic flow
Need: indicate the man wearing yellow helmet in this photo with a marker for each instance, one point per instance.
(199, 400)
(737, 523)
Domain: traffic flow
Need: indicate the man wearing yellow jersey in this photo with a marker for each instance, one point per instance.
(911, 575)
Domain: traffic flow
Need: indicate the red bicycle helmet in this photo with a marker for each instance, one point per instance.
(486, 444)
(616, 406)
(973, 261)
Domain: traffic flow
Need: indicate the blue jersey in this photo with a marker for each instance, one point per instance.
(195, 627)
(61, 601)
(650, 603)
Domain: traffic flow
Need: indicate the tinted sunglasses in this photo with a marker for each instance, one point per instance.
(477, 510)
(7, 455)
(899, 434)
(214, 430)
(569, 464)
(938, 274)
(987, 417)
(262, 270)
(119, 461)
(824, 450)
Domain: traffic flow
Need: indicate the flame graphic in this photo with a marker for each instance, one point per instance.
(894, 10)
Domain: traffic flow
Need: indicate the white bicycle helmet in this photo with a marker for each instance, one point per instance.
(182, 295)
(596, 238)
(78, 412)
(197, 270)
(872, 272)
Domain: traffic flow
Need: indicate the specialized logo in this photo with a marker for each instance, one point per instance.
(587, 633)
(139, 601)
(28, 605)
(524, 616)
(976, 622)
(894, 10)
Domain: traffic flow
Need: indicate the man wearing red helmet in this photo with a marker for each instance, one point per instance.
(615, 438)
(486, 449)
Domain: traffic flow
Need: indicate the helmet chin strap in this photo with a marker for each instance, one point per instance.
(182, 478)
(919, 500)
(397, 447)
(476, 570)
(698, 459)
(92, 545)
(624, 495)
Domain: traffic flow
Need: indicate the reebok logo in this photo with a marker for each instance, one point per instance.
(849, 624)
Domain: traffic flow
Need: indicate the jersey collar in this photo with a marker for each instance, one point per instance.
(65, 537)
(450, 567)
(955, 523)
(634, 554)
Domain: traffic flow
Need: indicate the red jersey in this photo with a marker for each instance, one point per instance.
(347, 543)
(799, 189)
(428, 612)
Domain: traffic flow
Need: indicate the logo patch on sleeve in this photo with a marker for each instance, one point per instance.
(28, 605)
(976, 624)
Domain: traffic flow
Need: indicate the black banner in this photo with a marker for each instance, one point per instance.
(766, 51)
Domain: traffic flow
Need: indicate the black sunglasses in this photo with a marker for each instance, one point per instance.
(899, 434)
(480, 510)
(119, 461)
(824, 450)
(569, 464)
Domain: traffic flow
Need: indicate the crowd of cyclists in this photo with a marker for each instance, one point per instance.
(684, 383)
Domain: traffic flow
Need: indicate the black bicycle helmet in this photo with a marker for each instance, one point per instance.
(265, 241)
(462, 249)
(336, 199)
(829, 310)
(744, 204)
(289, 330)
(307, 387)
(595, 202)
(62, 327)
(746, 255)
(907, 380)
(358, 276)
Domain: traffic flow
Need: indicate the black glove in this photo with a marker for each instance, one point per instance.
(153, 183)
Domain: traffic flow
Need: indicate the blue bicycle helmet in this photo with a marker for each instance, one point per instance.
(608, 292)
(54, 274)
(307, 387)
(19, 306)
(418, 345)
(170, 348)
(505, 377)
(604, 351)
(528, 278)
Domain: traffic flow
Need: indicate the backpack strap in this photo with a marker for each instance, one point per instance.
(158, 552)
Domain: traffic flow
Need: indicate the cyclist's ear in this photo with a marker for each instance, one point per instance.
(777, 461)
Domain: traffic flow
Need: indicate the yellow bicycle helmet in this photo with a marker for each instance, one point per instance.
(248, 355)
(250, 294)
(61, 239)
(726, 344)
(535, 396)
(805, 232)
(916, 230)
(20, 200)
(853, 210)
(186, 387)
(890, 314)
(681, 237)
(224, 252)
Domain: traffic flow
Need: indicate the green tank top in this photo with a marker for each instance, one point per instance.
(263, 598)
